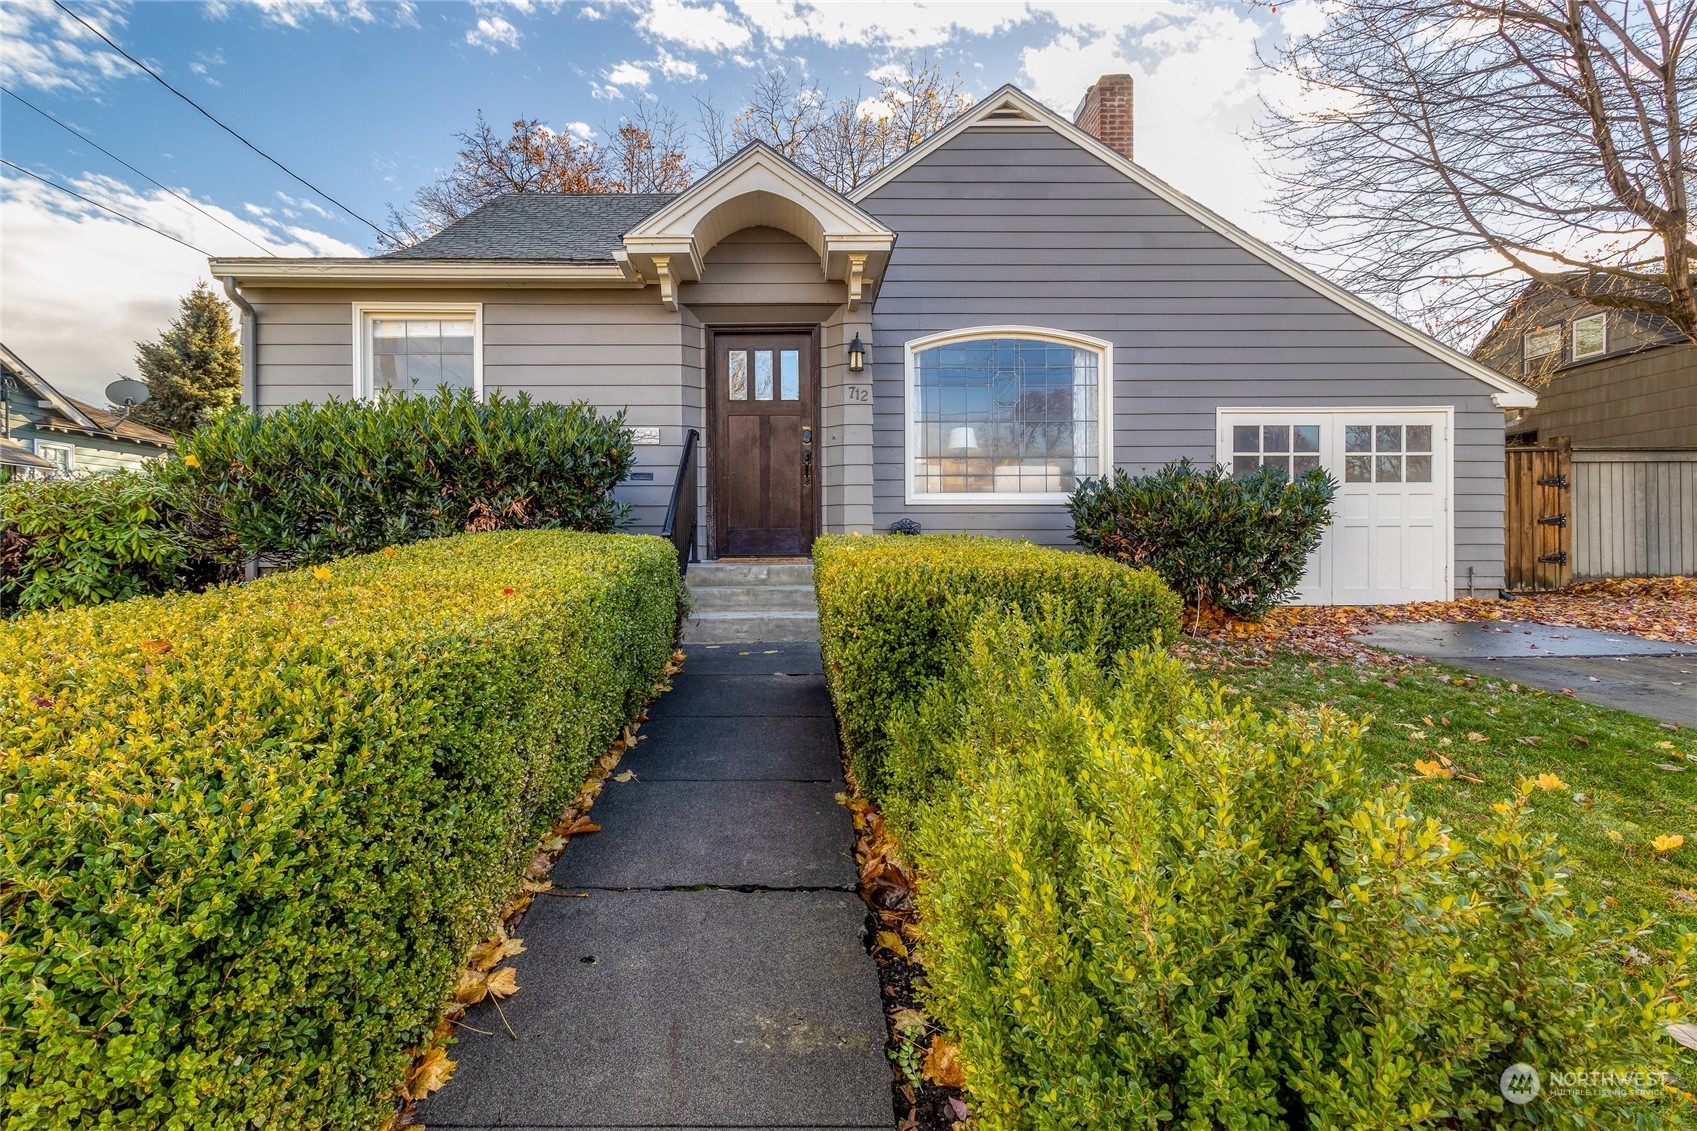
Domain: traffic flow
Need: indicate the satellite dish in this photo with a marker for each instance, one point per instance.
(126, 392)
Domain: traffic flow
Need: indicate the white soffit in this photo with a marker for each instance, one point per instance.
(1010, 106)
(758, 188)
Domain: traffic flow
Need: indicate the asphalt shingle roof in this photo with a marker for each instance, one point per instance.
(541, 225)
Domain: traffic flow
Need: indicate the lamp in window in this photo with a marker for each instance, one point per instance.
(857, 356)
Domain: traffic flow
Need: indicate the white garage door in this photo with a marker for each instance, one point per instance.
(1390, 539)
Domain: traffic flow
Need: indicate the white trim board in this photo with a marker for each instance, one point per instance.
(1010, 99)
(1104, 413)
(363, 312)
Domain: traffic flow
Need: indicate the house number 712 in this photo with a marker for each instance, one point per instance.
(860, 394)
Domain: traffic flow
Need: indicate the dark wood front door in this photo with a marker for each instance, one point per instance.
(765, 461)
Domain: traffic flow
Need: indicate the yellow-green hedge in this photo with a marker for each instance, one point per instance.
(246, 836)
(894, 611)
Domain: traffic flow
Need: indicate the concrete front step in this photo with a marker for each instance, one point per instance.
(748, 627)
(749, 573)
(751, 598)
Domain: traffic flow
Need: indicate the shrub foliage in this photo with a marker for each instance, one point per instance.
(312, 482)
(894, 610)
(1240, 544)
(1146, 906)
(247, 836)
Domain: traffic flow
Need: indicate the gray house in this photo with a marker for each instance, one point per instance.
(1032, 306)
(66, 436)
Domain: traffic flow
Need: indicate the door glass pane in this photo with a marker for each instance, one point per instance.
(1419, 469)
(789, 375)
(762, 375)
(739, 375)
(1387, 438)
(1246, 438)
(1275, 438)
(1243, 466)
(1305, 438)
(1358, 469)
(1419, 437)
(1357, 438)
(1389, 469)
(1303, 464)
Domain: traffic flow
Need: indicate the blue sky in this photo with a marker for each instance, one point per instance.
(363, 100)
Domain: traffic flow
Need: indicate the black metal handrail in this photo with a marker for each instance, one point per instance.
(680, 512)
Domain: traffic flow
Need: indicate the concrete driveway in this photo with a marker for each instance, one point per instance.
(1611, 669)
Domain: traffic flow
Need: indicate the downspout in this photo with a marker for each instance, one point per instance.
(250, 342)
(250, 384)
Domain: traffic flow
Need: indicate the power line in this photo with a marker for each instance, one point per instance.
(159, 78)
(138, 172)
(103, 207)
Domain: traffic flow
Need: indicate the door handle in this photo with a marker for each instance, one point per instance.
(807, 468)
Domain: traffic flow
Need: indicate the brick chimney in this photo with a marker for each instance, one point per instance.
(1106, 112)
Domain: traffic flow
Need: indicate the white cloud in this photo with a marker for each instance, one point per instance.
(628, 74)
(492, 33)
(299, 13)
(583, 131)
(48, 50)
(203, 64)
(79, 287)
(897, 25)
(676, 69)
(705, 27)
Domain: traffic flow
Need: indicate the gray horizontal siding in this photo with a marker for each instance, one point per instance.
(1015, 225)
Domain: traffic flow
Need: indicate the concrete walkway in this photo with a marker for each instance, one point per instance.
(713, 974)
(1611, 669)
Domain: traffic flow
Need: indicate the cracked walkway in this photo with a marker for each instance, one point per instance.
(711, 975)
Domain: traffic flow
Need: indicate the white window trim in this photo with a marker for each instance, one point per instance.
(1104, 411)
(364, 312)
(1577, 322)
(42, 447)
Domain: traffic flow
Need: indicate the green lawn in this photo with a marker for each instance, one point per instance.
(1613, 764)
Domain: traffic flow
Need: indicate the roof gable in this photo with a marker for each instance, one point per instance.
(1010, 106)
(42, 388)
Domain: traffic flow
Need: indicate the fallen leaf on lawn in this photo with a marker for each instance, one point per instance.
(625, 775)
(1475, 736)
(942, 1065)
(1503, 807)
(581, 826)
(1685, 1034)
(908, 1020)
(1614, 835)
(1427, 719)
(503, 983)
(1428, 769)
(429, 1074)
(1548, 781)
(1664, 744)
(1665, 844)
(1673, 769)
(1529, 739)
(892, 942)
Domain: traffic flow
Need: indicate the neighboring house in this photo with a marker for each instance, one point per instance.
(73, 437)
(1034, 307)
(1605, 377)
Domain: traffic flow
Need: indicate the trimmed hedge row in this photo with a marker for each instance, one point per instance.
(1145, 906)
(247, 836)
(894, 611)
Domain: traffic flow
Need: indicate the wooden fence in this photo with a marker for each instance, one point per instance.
(1598, 512)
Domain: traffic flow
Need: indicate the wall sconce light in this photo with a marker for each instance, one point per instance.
(857, 356)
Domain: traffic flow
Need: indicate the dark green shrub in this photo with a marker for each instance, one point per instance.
(247, 835)
(309, 483)
(895, 610)
(97, 538)
(1240, 544)
(1145, 906)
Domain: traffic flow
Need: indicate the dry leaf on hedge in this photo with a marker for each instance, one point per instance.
(892, 942)
(942, 1065)
(503, 983)
(581, 826)
(431, 1072)
(485, 955)
(472, 987)
(157, 647)
(553, 842)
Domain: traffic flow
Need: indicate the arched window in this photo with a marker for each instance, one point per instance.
(1006, 414)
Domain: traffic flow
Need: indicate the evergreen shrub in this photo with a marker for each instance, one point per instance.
(248, 835)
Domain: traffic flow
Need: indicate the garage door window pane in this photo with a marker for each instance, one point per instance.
(1387, 438)
(1271, 445)
(1419, 437)
(1305, 438)
(1244, 466)
(1275, 438)
(1246, 438)
(1358, 469)
(1357, 438)
(1304, 464)
(1419, 469)
(1388, 470)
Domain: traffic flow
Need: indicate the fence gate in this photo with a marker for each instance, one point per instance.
(1538, 538)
